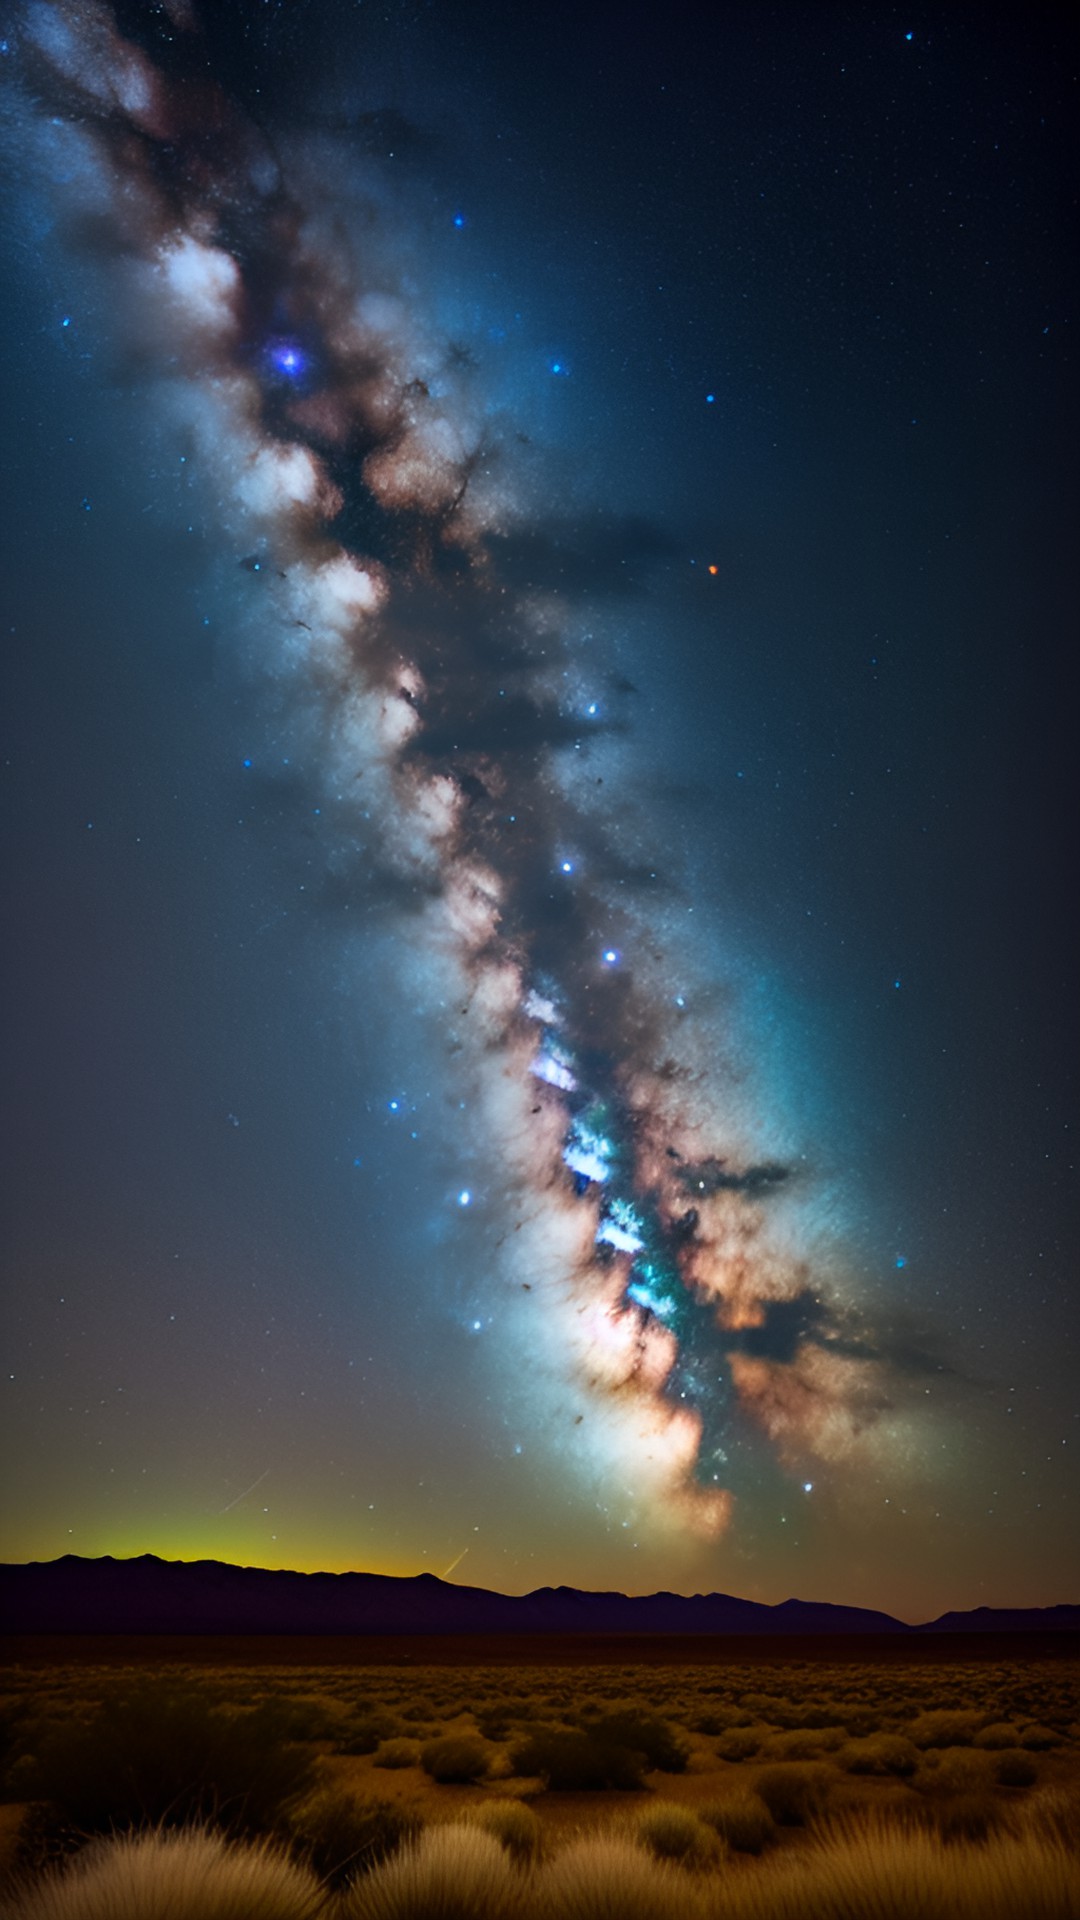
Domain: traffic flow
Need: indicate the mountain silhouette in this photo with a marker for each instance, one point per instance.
(148, 1595)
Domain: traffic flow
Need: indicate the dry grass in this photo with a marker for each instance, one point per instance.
(853, 1870)
(960, 1763)
(180, 1875)
(449, 1873)
(515, 1826)
(671, 1832)
(612, 1879)
(875, 1872)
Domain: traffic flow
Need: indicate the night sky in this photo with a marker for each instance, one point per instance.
(540, 596)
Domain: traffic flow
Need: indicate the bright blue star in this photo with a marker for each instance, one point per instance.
(288, 359)
(710, 399)
(901, 1260)
(611, 956)
(464, 1198)
(459, 219)
(66, 321)
(247, 763)
(909, 36)
(394, 1105)
(559, 366)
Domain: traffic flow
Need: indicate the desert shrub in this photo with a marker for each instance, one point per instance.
(449, 1873)
(165, 1754)
(457, 1758)
(502, 1716)
(861, 1721)
(730, 1714)
(612, 1879)
(824, 1716)
(795, 1792)
(743, 1820)
(1016, 1769)
(663, 1746)
(671, 1832)
(1039, 1739)
(945, 1727)
(741, 1743)
(341, 1837)
(1001, 1733)
(365, 1732)
(578, 1762)
(299, 1717)
(420, 1707)
(880, 1753)
(803, 1743)
(516, 1828)
(708, 1723)
(763, 1706)
(956, 1770)
(181, 1875)
(397, 1753)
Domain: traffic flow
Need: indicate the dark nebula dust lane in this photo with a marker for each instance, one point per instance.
(654, 1240)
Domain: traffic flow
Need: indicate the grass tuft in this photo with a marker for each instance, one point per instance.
(514, 1826)
(449, 1873)
(672, 1832)
(179, 1875)
(612, 1879)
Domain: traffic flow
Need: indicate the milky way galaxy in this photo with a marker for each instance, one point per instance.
(426, 585)
(375, 494)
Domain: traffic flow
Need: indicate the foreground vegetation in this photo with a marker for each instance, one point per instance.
(461, 1872)
(770, 1792)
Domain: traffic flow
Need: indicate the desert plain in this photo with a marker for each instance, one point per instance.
(408, 1778)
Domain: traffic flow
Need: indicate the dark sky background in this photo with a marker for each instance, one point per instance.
(699, 396)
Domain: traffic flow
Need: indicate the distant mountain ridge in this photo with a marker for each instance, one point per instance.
(148, 1595)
